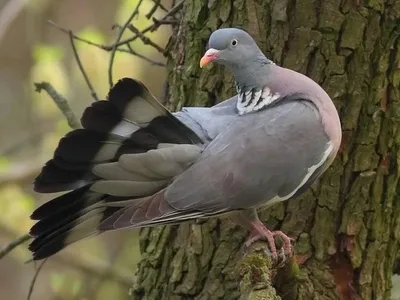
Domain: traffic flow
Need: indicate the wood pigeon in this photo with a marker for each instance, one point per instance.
(135, 164)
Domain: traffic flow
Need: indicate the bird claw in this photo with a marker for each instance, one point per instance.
(285, 252)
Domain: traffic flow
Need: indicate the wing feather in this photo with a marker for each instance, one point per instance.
(255, 160)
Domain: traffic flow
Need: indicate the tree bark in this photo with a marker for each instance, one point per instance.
(347, 226)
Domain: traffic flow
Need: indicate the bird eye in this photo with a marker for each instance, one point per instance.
(234, 42)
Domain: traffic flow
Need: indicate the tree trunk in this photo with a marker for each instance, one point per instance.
(347, 226)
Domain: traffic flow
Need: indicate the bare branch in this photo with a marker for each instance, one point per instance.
(89, 265)
(61, 102)
(32, 286)
(133, 52)
(166, 22)
(100, 46)
(145, 39)
(119, 36)
(113, 48)
(153, 9)
(153, 26)
(157, 4)
(78, 60)
(153, 62)
(105, 47)
(8, 248)
(93, 267)
(170, 13)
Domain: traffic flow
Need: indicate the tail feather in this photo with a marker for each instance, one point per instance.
(54, 179)
(148, 211)
(52, 242)
(65, 225)
(135, 103)
(82, 148)
(109, 167)
(101, 116)
(70, 211)
(130, 121)
(59, 204)
(71, 223)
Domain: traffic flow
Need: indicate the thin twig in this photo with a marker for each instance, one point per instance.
(133, 52)
(171, 12)
(80, 65)
(157, 4)
(153, 9)
(153, 62)
(162, 7)
(153, 26)
(115, 46)
(93, 267)
(32, 286)
(166, 22)
(8, 248)
(100, 46)
(119, 36)
(145, 39)
(105, 47)
(61, 102)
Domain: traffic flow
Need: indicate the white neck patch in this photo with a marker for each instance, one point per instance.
(254, 99)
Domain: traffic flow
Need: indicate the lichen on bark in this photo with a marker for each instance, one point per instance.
(347, 225)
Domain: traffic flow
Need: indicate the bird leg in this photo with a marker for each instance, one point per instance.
(260, 232)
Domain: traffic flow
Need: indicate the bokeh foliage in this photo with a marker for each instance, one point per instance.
(76, 273)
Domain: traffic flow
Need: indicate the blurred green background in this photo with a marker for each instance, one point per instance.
(31, 125)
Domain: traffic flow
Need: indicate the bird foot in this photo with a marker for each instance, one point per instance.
(260, 232)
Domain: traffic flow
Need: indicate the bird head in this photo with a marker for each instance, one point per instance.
(231, 47)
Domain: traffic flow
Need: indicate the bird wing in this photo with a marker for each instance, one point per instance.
(208, 122)
(261, 157)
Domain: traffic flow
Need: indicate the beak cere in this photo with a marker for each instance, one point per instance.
(209, 56)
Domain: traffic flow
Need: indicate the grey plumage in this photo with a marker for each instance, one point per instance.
(208, 122)
(144, 166)
(247, 160)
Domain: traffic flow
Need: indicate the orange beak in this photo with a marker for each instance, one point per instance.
(208, 57)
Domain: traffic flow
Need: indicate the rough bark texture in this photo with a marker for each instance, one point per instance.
(347, 226)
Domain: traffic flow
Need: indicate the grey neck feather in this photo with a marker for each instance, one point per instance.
(254, 73)
(252, 85)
